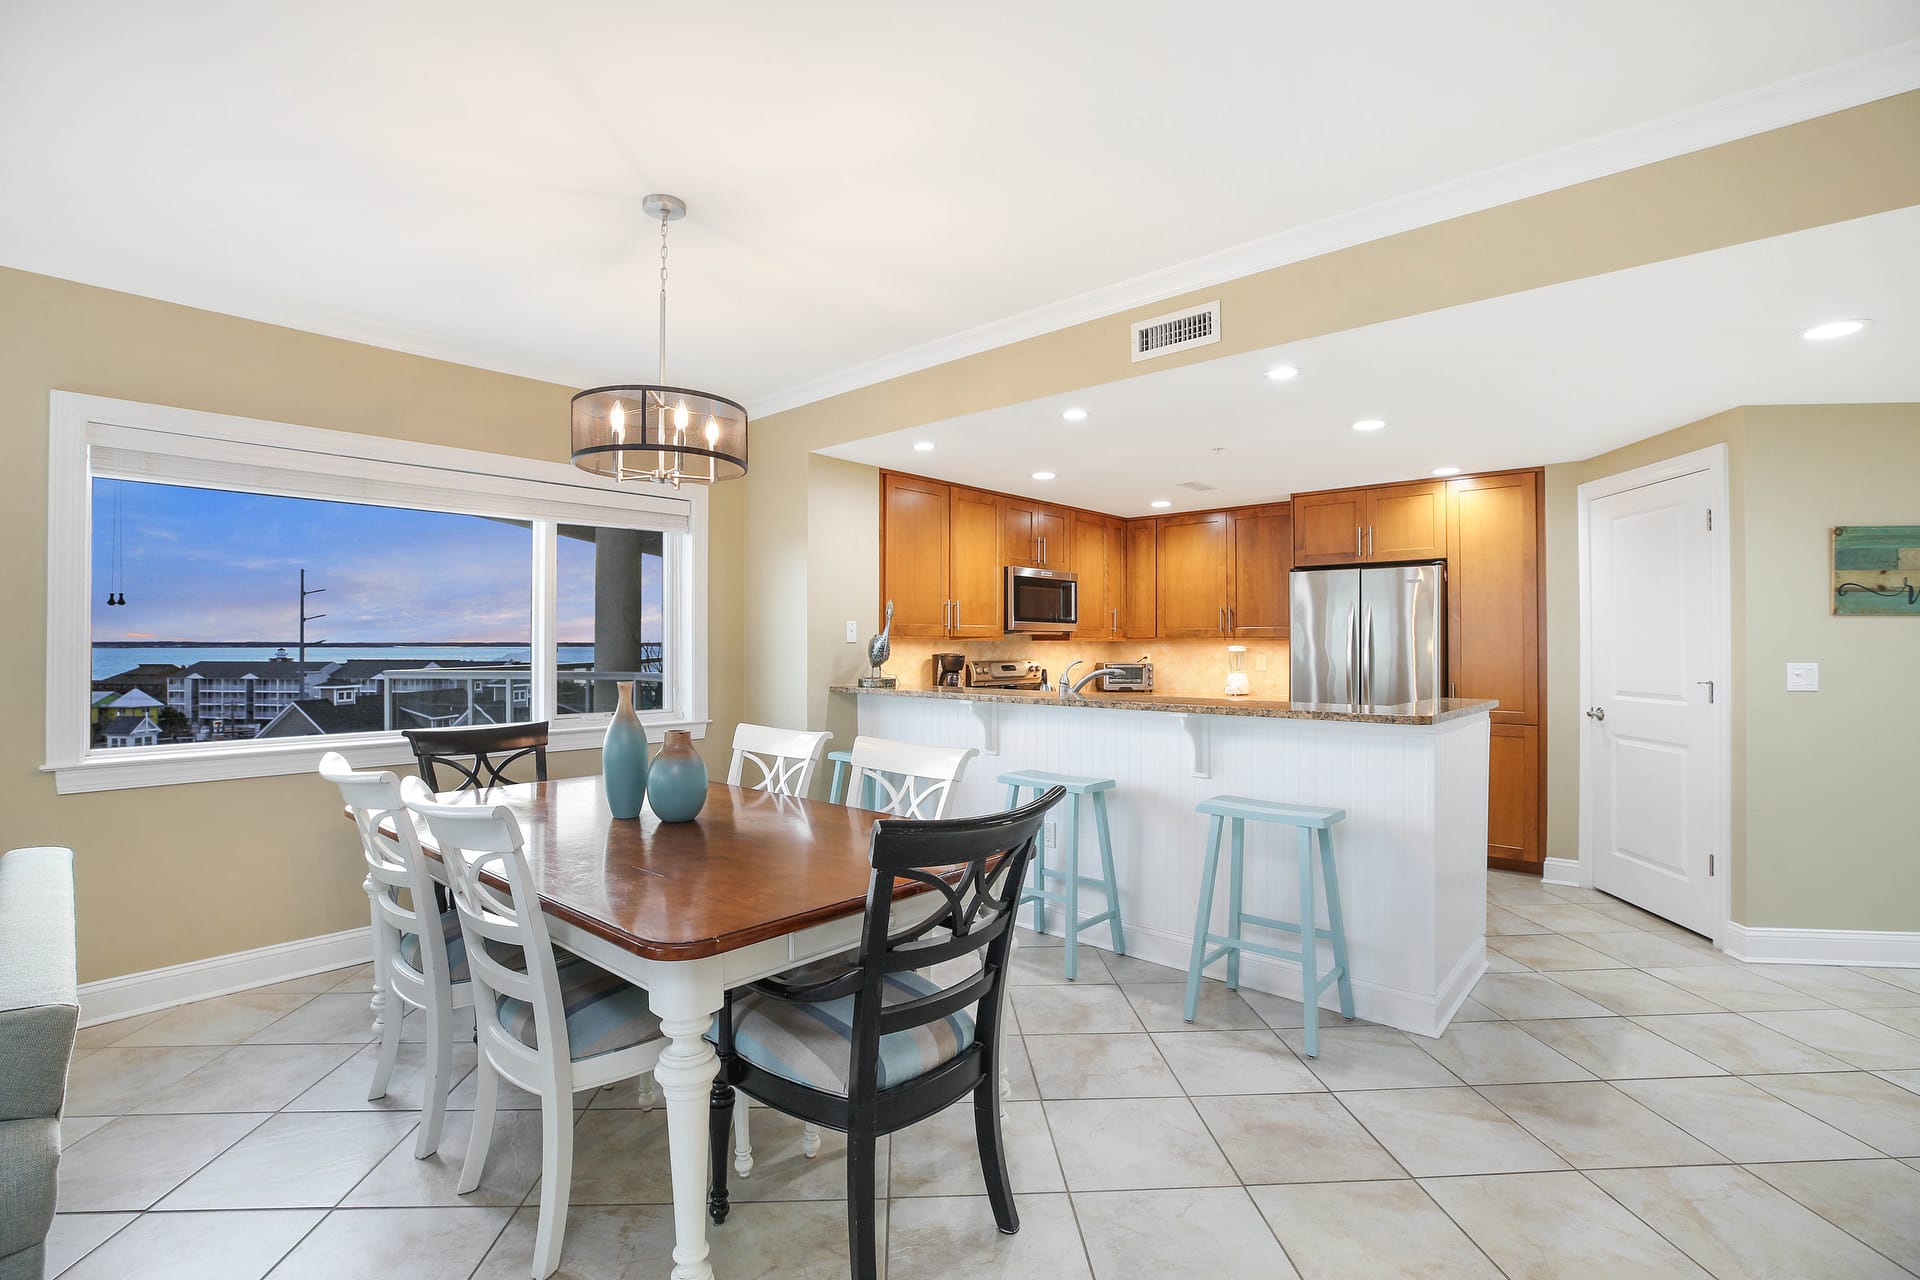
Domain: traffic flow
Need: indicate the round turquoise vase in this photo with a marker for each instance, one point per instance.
(677, 781)
(623, 758)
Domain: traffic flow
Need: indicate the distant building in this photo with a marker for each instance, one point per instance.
(131, 731)
(308, 716)
(111, 704)
(225, 699)
(149, 678)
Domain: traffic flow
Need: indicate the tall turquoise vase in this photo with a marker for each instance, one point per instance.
(623, 758)
(677, 782)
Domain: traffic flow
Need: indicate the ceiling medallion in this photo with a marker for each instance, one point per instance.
(653, 431)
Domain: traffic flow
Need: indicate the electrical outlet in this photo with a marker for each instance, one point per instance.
(1259, 662)
(1049, 836)
(853, 632)
(1803, 677)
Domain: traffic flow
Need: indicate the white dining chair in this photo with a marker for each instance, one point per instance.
(908, 780)
(782, 760)
(419, 956)
(551, 1025)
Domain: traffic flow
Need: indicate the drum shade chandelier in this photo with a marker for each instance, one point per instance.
(653, 431)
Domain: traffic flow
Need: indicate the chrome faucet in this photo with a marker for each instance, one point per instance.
(1073, 691)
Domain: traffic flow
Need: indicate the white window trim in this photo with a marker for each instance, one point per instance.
(171, 444)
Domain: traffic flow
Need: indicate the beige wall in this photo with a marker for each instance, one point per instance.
(1831, 840)
(1818, 778)
(171, 874)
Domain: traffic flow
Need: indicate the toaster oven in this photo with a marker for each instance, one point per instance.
(1127, 677)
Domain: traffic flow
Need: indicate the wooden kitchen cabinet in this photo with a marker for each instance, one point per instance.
(974, 571)
(914, 554)
(1515, 818)
(1380, 525)
(1407, 522)
(1140, 602)
(1493, 593)
(1494, 648)
(1099, 557)
(1329, 528)
(1036, 536)
(1193, 574)
(1261, 561)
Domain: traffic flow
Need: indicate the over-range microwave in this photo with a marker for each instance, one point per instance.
(1041, 599)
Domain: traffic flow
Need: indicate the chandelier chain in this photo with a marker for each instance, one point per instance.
(664, 219)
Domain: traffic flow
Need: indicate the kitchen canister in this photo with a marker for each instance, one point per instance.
(677, 779)
(623, 758)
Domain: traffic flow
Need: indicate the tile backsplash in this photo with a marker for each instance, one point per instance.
(1194, 667)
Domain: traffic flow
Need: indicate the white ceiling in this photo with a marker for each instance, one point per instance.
(1546, 376)
(463, 177)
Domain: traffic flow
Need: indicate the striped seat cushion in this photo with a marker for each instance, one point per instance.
(811, 1044)
(456, 946)
(604, 1013)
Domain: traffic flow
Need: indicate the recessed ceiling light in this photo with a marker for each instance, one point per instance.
(1833, 329)
(1446, 471)
(1043, 475)
(1283, 372)
(923, 446)
(1074, 415)
(1159, 504)
(1369, 424)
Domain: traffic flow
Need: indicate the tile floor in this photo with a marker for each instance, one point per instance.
(1616, 1100)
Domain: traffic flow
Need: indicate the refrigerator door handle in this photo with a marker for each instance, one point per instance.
(1353, 657)
(1366, 661)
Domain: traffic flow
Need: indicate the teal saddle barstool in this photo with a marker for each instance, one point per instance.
(1068, 896)
(1315, 825)
(837, 789)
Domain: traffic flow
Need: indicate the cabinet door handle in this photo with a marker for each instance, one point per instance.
(1369, 542)
(1229, 619)
(1114, 614)
(956, 615)
(1357, 552)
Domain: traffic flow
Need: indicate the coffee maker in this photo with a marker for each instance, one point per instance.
(947, 668)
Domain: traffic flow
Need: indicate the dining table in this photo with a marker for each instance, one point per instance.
(755, 884)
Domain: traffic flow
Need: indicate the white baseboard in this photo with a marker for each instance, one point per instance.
(178, 984)
(1560, 871)
(1390, 1006)
(1760, 945)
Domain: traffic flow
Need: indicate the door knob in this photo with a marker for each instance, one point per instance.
(1597, 713)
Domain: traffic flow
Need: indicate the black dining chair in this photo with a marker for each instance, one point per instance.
(890, 1042)
(489, 747)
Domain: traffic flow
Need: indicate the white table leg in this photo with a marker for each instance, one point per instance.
(686, 995)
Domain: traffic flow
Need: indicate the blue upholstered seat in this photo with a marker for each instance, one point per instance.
(604, 1013)
(456, 946)
(811, 1044)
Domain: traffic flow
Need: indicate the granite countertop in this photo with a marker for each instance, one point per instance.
(1435, 711)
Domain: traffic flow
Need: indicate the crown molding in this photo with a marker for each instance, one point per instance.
(1853, 83)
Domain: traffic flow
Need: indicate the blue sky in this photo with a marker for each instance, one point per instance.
(210, 565)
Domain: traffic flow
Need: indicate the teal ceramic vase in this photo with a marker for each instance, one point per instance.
(677, 780)
(623, 758)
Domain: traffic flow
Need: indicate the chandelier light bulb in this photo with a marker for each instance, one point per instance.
(680, 416)
(713, 432)
(619, 420)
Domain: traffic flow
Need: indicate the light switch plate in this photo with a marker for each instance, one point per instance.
(853, 632)
(1259, 662)
(1803, 677)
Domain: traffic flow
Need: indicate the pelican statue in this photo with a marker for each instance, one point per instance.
(880, 648)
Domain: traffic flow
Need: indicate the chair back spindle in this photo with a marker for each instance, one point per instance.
(477, 756)
(906, 779)
(779, 761)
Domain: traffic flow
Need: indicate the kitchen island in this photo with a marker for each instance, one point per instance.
(1412, 853)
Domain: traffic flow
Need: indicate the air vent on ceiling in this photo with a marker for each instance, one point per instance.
(1197, 486)
(1163, 335)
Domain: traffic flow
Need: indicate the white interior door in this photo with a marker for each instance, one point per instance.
(1652, 740)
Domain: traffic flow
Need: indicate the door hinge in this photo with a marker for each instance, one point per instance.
(1709, 519)
(1710, 864)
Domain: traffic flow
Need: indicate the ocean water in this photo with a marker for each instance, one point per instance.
(111, 661)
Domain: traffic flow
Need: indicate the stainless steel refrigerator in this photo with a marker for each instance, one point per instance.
(1375, 636)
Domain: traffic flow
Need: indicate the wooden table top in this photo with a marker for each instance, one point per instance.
(752, 866)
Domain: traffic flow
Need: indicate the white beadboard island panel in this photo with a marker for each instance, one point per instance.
(1412, 853)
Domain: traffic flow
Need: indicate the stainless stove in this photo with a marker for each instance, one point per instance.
(1005, 673)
